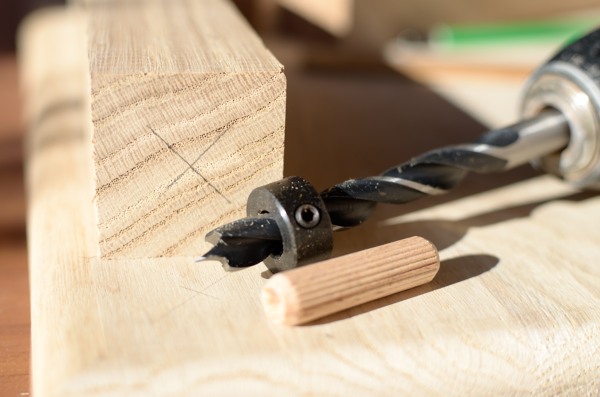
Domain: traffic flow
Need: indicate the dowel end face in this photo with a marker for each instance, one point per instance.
(279, 300)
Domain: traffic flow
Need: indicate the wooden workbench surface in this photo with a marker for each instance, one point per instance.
(513, 309)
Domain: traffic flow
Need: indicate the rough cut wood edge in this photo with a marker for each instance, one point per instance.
(310, 292)
(188, 109)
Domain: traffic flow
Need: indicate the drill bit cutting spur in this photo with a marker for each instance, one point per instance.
(289, 224)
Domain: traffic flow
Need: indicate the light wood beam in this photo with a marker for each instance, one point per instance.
(188, 111)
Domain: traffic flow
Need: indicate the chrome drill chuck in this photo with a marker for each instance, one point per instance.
(569, 83)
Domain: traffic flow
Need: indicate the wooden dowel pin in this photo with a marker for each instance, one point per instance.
(300, 295)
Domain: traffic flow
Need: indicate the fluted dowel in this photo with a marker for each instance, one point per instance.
(310, 292)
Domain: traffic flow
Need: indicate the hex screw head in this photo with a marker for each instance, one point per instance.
(307, 216)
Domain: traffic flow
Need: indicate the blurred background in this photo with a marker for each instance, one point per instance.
(409, 74)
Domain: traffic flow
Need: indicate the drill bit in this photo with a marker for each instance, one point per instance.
(289, 224)
(250, 240)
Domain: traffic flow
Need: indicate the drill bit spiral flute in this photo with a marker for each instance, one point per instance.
(289, 224)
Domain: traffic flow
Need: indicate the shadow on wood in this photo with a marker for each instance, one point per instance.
(444, 233)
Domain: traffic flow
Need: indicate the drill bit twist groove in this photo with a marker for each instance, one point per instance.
(351, 202)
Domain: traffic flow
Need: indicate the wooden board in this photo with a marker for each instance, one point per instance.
(513, 311)
(188, 111)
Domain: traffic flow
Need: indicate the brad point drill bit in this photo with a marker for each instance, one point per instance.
(289, 224)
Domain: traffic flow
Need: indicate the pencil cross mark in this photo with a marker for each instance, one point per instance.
(188, 299)
(191, 166)
(198, 292)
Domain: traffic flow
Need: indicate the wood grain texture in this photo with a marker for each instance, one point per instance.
(188, 110)
(512, 311)
(14, 316)
(300, 295)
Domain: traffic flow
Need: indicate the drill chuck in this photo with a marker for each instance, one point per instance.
(570, 84)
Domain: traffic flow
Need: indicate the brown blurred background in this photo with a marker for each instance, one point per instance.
(337, 83)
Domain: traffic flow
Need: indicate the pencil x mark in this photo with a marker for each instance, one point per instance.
(192, 164)
(197, 292)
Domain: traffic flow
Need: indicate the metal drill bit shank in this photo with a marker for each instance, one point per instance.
(349, 203)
